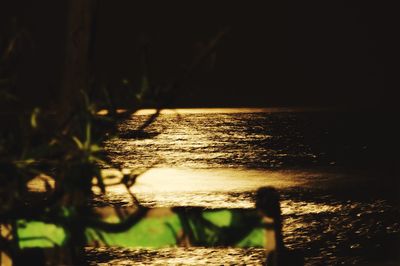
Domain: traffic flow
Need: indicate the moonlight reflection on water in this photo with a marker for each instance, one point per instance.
(330, 170)
(214, 188)
(176, 256)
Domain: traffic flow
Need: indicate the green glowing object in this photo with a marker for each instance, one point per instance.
(39, 234)
(225, 227)
(209, 228)
(151, 232)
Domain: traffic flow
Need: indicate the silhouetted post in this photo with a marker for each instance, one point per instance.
(268, 204)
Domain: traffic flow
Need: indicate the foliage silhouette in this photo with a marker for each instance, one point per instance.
(65, 153)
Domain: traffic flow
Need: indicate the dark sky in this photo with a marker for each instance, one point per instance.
(291, 53)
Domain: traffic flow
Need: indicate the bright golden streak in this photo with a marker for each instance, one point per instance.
(204, 110)
(219, 110)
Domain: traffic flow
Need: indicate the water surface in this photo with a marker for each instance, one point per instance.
(335, 171)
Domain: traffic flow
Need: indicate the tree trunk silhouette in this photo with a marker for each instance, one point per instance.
(76, 67)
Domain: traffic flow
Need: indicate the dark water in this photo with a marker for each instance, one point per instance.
(336, 172)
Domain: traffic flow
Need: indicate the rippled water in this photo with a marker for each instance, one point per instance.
(335, 171)
(176, 256)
